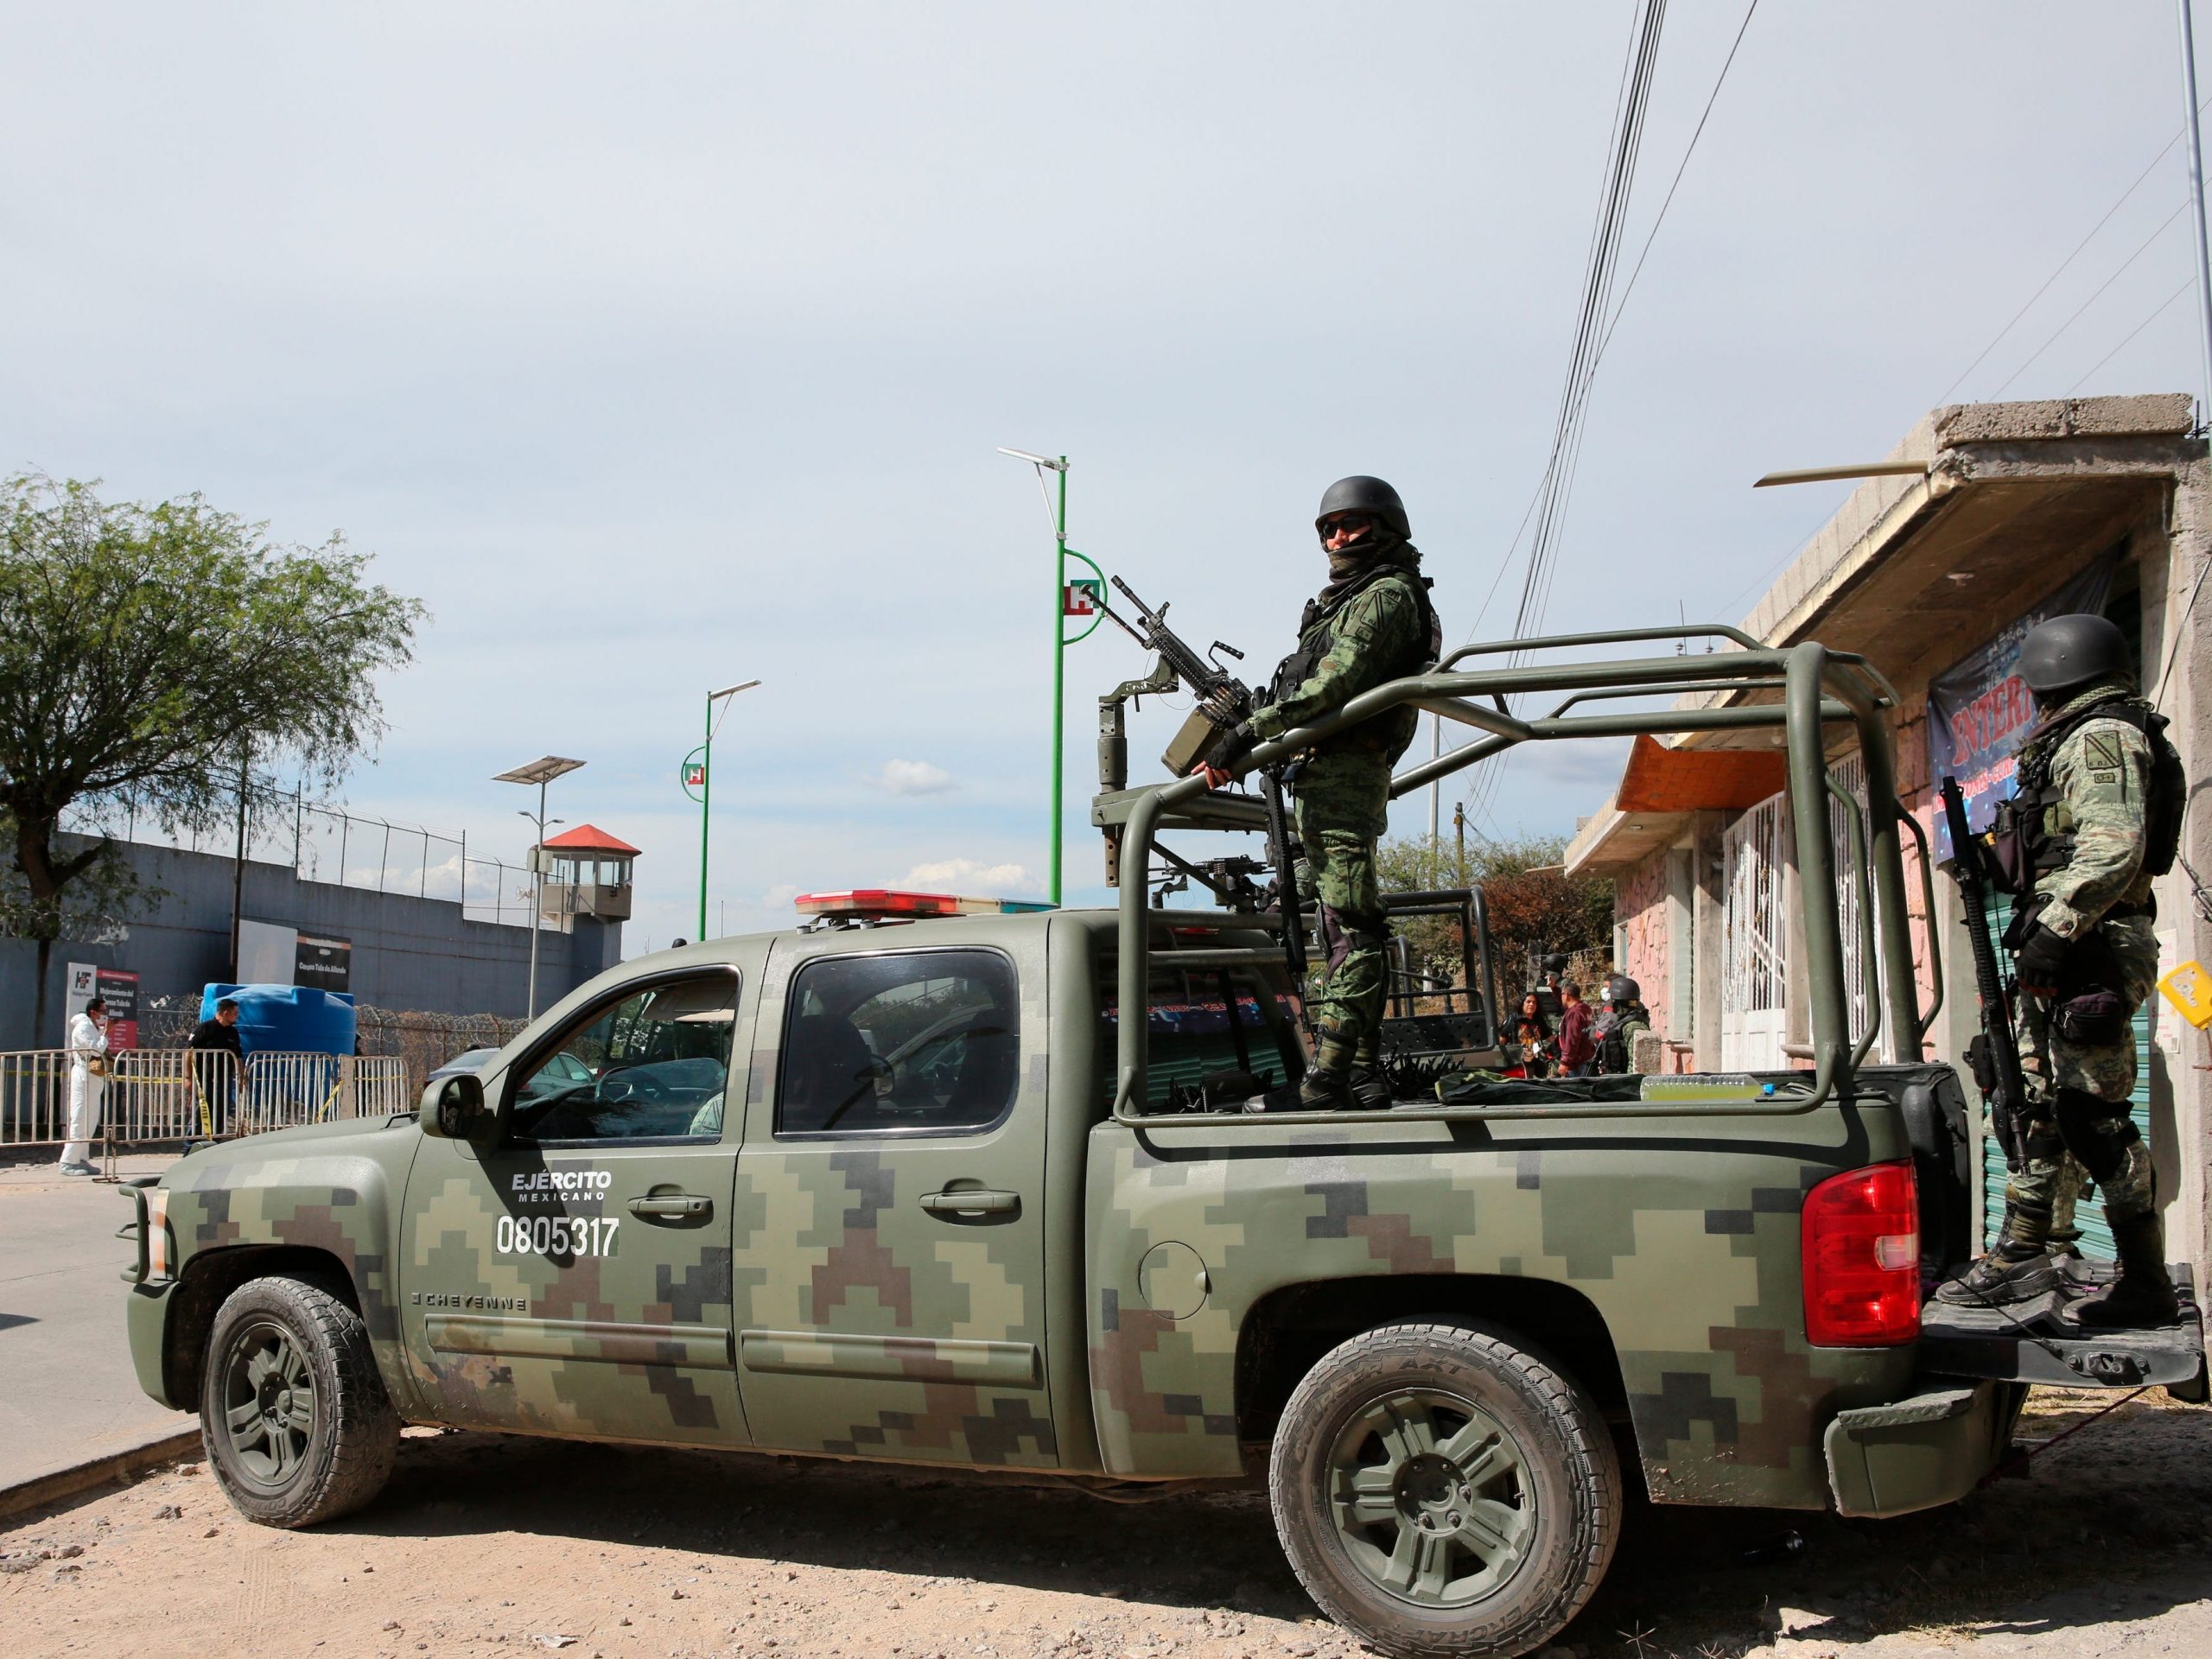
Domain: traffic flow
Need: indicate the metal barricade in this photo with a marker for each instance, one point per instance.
(170, 1094)
(380, 1085)
(152, 1094)
(33, 1096)
(285, 1089)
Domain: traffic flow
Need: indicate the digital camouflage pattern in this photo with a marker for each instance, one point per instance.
(820, 1307)
(1341, 792)
(1688, 1252)
(1341, 816)
(2100, 775)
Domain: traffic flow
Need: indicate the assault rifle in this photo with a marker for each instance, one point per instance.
(1223, 700)
(1993, 1055)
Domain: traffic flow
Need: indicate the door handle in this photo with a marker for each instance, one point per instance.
(972, 1201)
(671, 1203)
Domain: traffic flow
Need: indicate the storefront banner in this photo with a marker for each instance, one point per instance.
(1980, 712)
(118, 988)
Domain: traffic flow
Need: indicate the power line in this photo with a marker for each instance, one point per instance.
(1999, 339)
(1712, 98)
(2187, 285)
(2141, 249)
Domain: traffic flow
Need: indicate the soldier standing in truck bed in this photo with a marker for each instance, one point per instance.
(1371, 623)
(2095, 815)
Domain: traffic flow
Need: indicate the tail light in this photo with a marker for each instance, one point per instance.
(1860, 1236)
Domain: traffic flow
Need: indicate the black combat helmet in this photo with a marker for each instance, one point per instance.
(2071, 651)
(1620, 989)
(1360, 493)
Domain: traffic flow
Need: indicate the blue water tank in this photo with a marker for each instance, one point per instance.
(287, 1019)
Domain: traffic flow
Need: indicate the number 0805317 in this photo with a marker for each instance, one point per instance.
(556, 1235)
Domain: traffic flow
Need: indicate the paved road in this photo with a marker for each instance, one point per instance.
(66, 1390)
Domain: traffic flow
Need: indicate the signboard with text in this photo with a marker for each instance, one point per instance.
(323, 961)
(1980, 712)
(118, 988)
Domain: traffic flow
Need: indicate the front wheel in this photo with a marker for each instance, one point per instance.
(296, 1423)
(1443, 1493)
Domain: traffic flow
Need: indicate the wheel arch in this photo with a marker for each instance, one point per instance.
(1286, 1332)
(207, 1282)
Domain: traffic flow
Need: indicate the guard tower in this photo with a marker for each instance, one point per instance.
(587, 874)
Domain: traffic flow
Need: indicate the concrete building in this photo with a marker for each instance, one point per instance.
(392, 949)
(2006, 513)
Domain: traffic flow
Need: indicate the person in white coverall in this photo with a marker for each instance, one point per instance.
(87, 1045)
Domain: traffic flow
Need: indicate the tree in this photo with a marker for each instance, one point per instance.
(148, 652)
(1534, 904)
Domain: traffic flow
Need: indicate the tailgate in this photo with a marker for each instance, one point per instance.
(2028, 1342)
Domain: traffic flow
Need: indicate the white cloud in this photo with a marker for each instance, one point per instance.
(779, 895)
(966, 875)
(913, 778)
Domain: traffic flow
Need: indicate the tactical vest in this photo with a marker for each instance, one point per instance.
(1611, 1031)
(1313, 638)
(2022, 844)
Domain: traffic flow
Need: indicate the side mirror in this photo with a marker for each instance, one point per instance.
(454, 1108)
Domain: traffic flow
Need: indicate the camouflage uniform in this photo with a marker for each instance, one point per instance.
(1342, 792)
(2099, 777)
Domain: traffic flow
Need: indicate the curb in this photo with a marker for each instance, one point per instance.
(67, 1483)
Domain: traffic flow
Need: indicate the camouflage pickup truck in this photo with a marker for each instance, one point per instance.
(922, 1193)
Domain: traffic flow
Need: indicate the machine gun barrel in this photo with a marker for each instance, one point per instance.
(1207, 679)
(1994, 1056)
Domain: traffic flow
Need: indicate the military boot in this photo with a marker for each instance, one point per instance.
(1317, 1091)
(1370, 1088)
(2007, 1272)
(2144, 1293)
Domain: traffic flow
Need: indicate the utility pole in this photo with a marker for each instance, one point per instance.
(2196, 202)
(238, 858)
(1460, 828)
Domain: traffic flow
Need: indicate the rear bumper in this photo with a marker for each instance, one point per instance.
(1926, 1449)
(146, 1314)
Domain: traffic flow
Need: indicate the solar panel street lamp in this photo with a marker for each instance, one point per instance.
(695, 776)
(540, 771)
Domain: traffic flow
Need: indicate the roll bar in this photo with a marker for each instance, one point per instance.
(1817, 688)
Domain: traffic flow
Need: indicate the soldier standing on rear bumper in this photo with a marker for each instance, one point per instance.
(1371, 623)
(2095, 815)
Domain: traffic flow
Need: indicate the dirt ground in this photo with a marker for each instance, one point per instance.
(485, 1546)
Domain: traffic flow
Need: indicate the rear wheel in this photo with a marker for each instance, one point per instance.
(1442, 1491)
(295, 1418)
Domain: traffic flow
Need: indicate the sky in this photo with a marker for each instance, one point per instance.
(659, 348)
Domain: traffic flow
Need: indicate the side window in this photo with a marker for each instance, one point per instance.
(1194, 1034)
(652, 1063)
(923, 1039)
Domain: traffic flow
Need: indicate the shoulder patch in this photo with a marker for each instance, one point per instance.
(2101, 751)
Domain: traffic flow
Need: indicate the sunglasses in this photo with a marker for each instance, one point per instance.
(1349, 523)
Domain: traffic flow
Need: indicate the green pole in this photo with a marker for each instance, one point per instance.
(706, 786)
(1059, 662)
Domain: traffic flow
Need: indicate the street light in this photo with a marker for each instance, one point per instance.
(705, 752)
(541, 772)
(1058, 514)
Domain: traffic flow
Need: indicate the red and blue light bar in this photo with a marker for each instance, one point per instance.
(889, 904)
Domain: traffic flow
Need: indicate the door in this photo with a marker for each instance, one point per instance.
(1755, 941)
(573, 1277)
(889, 1246)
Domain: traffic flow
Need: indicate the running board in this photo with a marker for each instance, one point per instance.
(2029, 1342)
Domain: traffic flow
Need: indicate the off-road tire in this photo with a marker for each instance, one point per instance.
(269, 1337)
(1529, 1446)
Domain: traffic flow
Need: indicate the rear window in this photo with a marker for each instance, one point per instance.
(1193, 1032)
